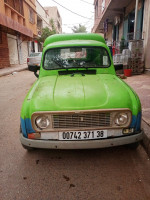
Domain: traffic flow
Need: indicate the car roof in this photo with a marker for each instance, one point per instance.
(72, 37)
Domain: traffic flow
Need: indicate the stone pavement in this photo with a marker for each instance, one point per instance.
(10, 70)
(140, 83)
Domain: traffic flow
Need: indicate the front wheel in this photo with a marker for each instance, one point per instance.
(133, 145)
(28, 148)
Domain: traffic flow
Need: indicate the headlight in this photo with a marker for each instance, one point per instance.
(42, 122)
(121, 119)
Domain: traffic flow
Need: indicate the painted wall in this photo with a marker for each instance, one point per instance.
(4, 51)
(54, 14)
(28, 4)
(2, 7)
(43, 15)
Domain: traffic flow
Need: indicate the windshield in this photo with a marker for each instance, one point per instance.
(76, 57)
(35, 54)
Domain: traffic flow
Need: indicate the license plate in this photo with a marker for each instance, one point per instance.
(82, 135)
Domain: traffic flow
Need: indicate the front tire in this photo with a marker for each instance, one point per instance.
(28, 148)
(133, 145)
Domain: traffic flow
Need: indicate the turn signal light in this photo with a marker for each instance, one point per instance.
(128, 130)
(34, 135)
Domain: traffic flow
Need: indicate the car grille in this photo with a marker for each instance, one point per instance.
(81, 120)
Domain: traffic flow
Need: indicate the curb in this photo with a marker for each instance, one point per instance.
(11, 70)
(146, 137)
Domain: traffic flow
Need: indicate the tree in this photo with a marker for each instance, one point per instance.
(79, 29)
(53, 26)
(47, 32)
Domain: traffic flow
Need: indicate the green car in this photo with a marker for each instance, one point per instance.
(78, 102)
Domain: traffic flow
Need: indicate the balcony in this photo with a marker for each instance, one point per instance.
(17, 5)
(112, 9)
(12, 13)
(13, 18)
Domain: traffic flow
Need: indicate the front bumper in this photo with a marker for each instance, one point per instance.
(88, 144)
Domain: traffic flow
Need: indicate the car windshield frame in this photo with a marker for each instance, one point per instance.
(60, 68)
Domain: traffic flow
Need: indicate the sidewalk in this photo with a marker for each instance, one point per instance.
(10, 70)
(140, 83)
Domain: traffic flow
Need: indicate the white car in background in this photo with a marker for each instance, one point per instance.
(34, 59)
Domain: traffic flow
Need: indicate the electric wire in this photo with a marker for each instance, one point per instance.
(87, 2)
(70, 10)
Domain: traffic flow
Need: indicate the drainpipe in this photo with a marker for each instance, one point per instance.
(135, 21)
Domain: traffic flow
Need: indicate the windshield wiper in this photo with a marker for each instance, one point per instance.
(60, 62)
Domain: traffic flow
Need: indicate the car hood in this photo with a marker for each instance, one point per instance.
(65, 92)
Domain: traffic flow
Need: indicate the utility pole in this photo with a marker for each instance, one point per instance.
(135, 21)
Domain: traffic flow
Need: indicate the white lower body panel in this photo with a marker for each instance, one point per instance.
(84, 144)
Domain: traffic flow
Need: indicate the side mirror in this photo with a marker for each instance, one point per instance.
(34, 68)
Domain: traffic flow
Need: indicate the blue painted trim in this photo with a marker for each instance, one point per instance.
(29, 128)
(23, 127)
(133, 123)
(26, 127)
(136, 122)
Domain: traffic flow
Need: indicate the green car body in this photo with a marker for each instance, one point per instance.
(77, 104)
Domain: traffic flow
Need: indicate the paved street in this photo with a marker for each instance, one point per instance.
(113, 174)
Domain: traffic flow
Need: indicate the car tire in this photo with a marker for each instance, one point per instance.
(28, 148)
(133, 145)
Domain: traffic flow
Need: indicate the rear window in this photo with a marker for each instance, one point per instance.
(35, 54)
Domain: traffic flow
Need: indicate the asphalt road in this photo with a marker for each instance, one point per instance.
(115, 173)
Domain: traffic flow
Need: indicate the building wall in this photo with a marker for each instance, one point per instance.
(100, 7)
(32, 25)
(146, 33)
(54, 14)
(2, 7)
(4, 51)
(43, 15)
(9, 9)
(19, 19)
(109, 33)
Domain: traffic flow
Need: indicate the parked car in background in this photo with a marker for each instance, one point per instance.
(78, 101)
(34, 59)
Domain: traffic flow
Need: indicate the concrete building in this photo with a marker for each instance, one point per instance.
(17, 27)
(43, 20)
(54, 14)
(116, 19)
